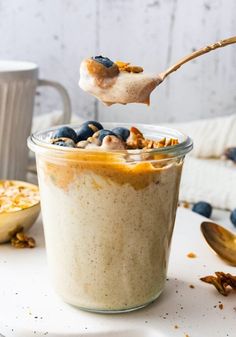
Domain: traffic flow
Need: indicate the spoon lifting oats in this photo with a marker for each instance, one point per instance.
(123, 83)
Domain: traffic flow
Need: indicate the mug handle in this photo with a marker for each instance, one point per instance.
(64, 96)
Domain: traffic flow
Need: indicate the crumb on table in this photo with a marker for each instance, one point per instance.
(191, 255)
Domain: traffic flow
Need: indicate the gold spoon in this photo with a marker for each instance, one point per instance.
(197, 53)
(127, 88)
(222, 241)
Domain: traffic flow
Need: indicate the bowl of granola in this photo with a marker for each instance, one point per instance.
(19, 207)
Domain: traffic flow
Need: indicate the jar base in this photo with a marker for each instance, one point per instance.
(116, 311)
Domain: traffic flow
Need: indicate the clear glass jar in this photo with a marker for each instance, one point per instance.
(108, 218)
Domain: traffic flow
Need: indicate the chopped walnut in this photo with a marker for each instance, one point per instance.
(136, 140)
(221, 282)
(125, 66)
(20, 240)
(133, 69)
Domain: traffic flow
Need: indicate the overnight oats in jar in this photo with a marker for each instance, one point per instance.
(109, 196)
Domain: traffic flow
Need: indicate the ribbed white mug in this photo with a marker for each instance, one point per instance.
(18, 83)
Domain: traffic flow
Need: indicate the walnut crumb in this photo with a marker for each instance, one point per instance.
(191, 255)
(184, 204)
(20, 240)
(191, 286)
(221, 306)
(176, 326)
(125, 66)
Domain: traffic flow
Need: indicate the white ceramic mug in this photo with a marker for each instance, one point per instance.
(18, 83)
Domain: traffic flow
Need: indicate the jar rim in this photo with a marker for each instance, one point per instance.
(38, 141)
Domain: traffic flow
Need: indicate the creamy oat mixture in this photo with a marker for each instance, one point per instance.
(108, 241)
(116, 82)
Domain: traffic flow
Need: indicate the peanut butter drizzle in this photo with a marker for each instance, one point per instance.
(139, 175)
(104, 77)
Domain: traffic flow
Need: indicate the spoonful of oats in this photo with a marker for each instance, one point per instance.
(120, 82)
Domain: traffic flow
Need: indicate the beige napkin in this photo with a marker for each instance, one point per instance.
(211, 136)
(206, 176)
(210, 180)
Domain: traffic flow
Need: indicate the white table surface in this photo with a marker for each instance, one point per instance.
(29, 307)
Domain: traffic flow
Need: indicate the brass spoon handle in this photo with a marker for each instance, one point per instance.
(197, 53)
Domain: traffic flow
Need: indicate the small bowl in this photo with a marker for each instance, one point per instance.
(25, 218)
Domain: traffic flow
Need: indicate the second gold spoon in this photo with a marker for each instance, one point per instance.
(222, 241)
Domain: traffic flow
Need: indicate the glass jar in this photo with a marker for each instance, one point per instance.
(108, 218)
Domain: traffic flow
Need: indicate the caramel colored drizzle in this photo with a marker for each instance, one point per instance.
(63, 172)
(104, 77)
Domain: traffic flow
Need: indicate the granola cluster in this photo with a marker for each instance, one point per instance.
(125, 66)
(221, 282)
(15, 196)
(137, 140)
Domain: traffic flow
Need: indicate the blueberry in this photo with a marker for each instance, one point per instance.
(103, 133)
(203, 208)
(95, 123)
(66, 132)
(233, 217)
(122, 132)
(230, 153)
(84, 133)
(87, 129)
(103, 60)
(65, 143)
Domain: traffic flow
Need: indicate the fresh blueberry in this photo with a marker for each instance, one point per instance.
(121, 132)
(66, 132)
(103, 133)
(233, 217)
(103, 60)
(94, 123)
(203, 208)
(230, 153)
(84, 133)
(65, 143)
(87, 129)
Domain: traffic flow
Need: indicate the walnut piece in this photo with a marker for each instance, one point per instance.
(221, 282)
(136, 140)
(20, 240)
(125, 66)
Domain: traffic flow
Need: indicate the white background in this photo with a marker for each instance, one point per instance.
(58, 34)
